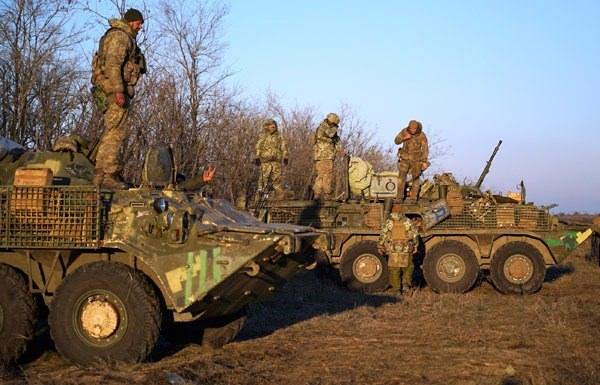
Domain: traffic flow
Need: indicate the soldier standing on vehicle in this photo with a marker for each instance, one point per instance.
(398, 240)
(326, 144)
(116, 68)
(412, 157)
(271, 151)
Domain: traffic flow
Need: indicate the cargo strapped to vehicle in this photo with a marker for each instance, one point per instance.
(50, 217)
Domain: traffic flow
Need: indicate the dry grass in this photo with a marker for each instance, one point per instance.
(314, 332)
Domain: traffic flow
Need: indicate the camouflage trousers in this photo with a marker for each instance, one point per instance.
(404, 167)
(272, 170)
(400, 276)
(323, 186)
(401, 267)
(109, 156)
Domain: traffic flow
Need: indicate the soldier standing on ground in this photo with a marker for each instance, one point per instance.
(116, 68)
(271, 151)
(412, 157)
(326, 144)
(399, 240)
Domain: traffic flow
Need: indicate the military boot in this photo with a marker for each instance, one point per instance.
(114, 182)
(394, 278)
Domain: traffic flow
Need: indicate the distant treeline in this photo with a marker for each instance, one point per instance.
(184, 100)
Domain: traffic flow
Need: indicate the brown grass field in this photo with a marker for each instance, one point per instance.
(315, 332)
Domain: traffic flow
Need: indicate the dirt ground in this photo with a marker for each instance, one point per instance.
(315, 332)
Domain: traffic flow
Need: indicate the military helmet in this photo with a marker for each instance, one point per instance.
(333, 118)
(72, 143)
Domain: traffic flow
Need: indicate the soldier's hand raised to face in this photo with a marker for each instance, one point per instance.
(406, 136)
(120, 99)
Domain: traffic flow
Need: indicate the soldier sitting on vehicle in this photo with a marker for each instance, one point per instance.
(399, 240)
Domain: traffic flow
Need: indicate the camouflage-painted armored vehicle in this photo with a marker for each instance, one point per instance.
(511, 240)
(116, 267)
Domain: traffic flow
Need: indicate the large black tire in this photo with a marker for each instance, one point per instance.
(518, 268)
(364, 268)
(215, 332)
(450, 267)
(105, 312)
(223, 330)
(17, 315)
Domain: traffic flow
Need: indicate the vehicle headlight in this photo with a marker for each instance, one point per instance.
(160, 205)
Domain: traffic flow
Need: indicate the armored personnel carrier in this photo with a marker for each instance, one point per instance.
(117, 267)
(464, 232)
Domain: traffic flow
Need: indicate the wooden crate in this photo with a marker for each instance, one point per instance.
(33, 177)
(28, 193)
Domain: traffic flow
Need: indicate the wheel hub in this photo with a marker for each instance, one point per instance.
(367, 268)
(99, 318)
(451, 268)
(518, 269)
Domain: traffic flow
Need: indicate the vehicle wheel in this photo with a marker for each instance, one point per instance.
(364, 268)
(17, 315)
(221, 331)
(215, 332)
(450, 267)
(105, 312)
(517, 268)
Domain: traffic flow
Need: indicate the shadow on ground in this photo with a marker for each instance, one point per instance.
(553, 273)
(308, 295)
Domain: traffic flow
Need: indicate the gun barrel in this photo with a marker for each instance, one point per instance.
(486, 169)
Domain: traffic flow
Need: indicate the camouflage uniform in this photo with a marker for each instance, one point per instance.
(326, 144)
(399, 240)
(117, 67)
(411, 156)
(271, 150)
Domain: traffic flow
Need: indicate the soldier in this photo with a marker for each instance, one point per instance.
(116, 68)
(271, 151)
(412, 157)
(326, 144)
(399, 240)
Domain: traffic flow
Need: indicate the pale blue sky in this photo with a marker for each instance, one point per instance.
(473, 72)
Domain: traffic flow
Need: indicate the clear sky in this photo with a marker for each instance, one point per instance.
(474, 72)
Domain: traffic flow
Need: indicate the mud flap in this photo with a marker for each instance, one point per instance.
(594, 254)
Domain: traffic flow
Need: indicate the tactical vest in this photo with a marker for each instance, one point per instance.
(135, 64)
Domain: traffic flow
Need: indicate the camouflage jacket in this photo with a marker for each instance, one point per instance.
(398, 235)
(271, 147)
(326, 141)
(414, 149)
(118, 63)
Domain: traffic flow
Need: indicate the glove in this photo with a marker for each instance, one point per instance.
(120, 99)
(285, 162)
(257, 162)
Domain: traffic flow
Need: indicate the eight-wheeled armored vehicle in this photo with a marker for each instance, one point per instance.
(512, 240)
(116, 267)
